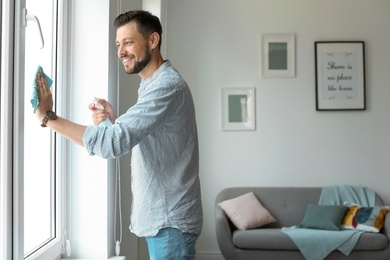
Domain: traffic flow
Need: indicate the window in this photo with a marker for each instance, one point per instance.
(30, 189)
(49, 175)
(40, 193)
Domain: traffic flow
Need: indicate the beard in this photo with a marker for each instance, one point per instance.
(141, 64)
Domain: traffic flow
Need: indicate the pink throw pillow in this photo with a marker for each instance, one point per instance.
(246, 212)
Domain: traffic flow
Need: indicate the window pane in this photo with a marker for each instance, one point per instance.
(39, 175)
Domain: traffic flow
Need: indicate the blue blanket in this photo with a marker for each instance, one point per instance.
(337, 195)
(316, 244)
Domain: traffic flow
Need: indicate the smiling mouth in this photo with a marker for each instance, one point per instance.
(126, 60)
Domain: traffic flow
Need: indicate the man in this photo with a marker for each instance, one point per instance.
(160, 130)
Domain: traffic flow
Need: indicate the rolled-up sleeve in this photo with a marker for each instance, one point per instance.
(89, 139)
(108, 142)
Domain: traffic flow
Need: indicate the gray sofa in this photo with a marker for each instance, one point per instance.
(287, 205)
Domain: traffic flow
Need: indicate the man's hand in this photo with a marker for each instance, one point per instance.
(44, 96)
(99, 115)
(62, 126)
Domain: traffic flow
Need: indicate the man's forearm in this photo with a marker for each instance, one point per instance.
(68, 129)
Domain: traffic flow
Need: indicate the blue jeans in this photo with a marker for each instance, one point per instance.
(172, 244)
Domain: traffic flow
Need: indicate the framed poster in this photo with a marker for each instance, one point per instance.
(340, 79)
(278, 55)
(238, 109)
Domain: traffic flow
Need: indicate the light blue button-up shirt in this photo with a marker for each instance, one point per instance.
(161, 132)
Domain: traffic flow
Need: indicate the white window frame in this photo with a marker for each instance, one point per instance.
(7, 8)
(11, 143)
(11, 235)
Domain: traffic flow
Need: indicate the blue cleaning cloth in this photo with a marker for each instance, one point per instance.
(34, 95)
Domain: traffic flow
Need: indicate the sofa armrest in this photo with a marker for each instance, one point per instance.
(386, 226)
(224, 231)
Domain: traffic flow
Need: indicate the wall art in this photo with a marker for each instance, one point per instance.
(340, 75)
(238, 109)
(278, 55)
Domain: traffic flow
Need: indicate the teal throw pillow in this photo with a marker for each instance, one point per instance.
(326, 217)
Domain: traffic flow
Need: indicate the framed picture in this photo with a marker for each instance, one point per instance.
(238, 109)
(278, 55)
(340, 79)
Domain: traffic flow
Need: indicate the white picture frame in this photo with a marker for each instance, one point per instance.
(238, 109)
(278, 55)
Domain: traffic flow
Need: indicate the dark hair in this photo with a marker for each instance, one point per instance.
(146, 22)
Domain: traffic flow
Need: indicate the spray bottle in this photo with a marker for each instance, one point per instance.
(107, 122)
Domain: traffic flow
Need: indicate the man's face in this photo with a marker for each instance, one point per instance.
(133, 49)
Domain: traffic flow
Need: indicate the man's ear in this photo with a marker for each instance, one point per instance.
(154, 39)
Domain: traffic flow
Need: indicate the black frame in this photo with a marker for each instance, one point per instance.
(350, 70)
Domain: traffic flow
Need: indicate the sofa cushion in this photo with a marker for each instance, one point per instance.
(263, 238)
(274, 239)
(326, 217)
(246, 212)
(369, 219)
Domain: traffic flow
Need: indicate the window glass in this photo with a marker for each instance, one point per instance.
(39, 145)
